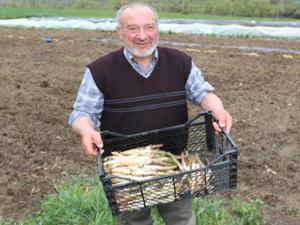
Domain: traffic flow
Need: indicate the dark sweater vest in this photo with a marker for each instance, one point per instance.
(134, 104)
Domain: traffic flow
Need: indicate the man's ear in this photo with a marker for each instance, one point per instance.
(120, 33)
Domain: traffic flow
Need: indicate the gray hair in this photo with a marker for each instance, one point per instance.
(131, 5)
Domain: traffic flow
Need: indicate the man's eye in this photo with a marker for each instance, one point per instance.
(149, 28)
(132, 29)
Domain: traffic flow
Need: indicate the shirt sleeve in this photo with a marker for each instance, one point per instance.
(89, 101)
(196, 87)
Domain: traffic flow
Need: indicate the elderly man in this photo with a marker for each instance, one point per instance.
(139, 88)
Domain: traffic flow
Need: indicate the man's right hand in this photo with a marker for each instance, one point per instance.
(91, 139)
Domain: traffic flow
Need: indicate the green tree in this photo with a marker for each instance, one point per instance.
(86, 4)
(225, 8)
(239, 8)
(264, 7)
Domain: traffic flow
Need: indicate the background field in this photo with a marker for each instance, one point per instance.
(39, 81)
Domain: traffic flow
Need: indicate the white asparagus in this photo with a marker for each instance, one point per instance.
(149, 162)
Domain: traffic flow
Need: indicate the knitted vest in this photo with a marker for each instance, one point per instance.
(134, 104)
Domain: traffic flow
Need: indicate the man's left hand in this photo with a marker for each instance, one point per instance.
(224, 120)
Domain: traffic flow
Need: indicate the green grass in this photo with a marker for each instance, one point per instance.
(82, 202)
(26, 12)
(214, 17)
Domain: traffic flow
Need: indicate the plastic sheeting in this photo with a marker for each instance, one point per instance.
(192, 45)
(168, 25)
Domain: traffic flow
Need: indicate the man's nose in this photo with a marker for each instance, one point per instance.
(142, 35)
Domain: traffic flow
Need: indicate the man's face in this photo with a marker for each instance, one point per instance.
(139, 31)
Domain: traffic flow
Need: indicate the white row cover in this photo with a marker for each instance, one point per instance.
(292, 32)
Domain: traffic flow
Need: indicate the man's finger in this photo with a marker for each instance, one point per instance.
(89, 147)
(222, 119)
(217, 127)
(228, 122)
(98, 142)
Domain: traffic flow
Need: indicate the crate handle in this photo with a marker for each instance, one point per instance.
(228, 137)
(106, 132)
(191, 121)
(100, 164)
(197, 116)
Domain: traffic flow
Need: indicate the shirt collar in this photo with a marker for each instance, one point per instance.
(130, 57)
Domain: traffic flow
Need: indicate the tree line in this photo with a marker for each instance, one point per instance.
(243, 8)
(255, 8)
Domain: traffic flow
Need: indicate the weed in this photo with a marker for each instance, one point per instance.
(82, 201)
(250, 213)
(7, 74)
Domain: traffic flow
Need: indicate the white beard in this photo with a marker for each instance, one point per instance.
(142, 54)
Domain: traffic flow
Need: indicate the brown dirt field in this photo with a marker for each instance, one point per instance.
(39, 81)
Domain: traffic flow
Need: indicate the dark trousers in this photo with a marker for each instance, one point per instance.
(175, 213)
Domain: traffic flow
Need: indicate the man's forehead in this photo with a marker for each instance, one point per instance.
(138, 13)
(137, 8)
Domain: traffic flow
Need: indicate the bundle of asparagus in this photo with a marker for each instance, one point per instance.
(193, 181)
(150, 162)
(140, 164)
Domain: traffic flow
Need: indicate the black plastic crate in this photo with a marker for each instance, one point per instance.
(197, 136)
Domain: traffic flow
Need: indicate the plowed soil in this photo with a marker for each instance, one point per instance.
(39, 82)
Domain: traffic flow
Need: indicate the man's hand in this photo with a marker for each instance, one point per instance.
(91, 139)
(212, 102)
(224, 120)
